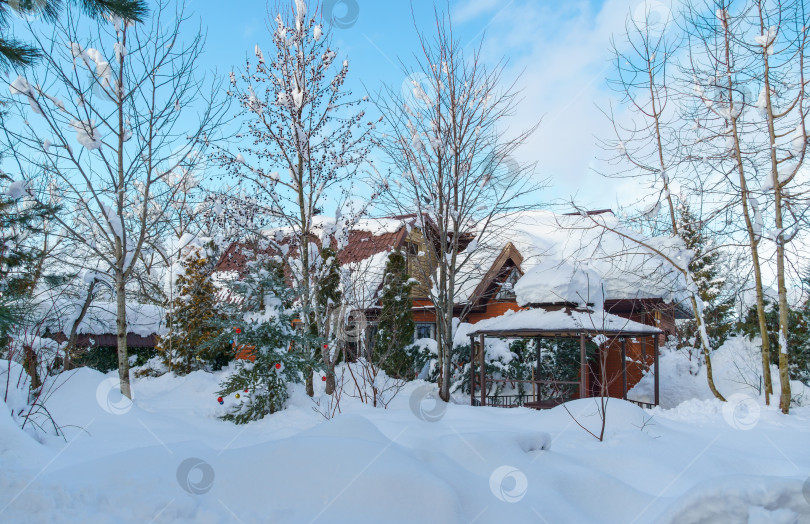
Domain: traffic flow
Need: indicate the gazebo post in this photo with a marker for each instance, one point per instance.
(472, 370)
(643, 343)
(655, 357)
(624, 368)
(535, 389)
(483, 371)
(583, 372)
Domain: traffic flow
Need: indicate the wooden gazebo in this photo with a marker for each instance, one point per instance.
(561, 322)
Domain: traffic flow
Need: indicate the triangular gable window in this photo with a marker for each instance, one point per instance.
(507, 290)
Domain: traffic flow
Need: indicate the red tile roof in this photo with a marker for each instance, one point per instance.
(363, 244)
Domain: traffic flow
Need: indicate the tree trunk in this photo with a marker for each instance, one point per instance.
(310, 386)
(705, 343)
(752, 237)
(74, 329)
(448, 353)
(121, 324)
(330, 370)
(31, 366)
(121, 245)
(784, 375)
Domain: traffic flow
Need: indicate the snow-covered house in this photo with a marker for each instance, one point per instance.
(97, 328)
(538, 259)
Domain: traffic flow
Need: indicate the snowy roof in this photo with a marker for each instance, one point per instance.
(564, 259)
(570, 258)
(542, 322)
(364, 278)
(142, 319)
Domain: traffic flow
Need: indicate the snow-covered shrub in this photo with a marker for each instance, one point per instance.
(737, 369)
(272, 349)
(26, 404)
(193, 318)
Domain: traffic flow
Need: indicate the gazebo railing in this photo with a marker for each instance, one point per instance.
(528, 398)
(648, 405)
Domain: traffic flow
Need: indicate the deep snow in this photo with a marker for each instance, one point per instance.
(167, 458)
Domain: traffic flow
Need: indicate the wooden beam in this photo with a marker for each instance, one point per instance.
(624, 368)
(643, 342)
(535, 389)
(483, 371)
(655, 358)
(472, 370)
(583, 368)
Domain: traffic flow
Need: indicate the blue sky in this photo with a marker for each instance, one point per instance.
(559, 49)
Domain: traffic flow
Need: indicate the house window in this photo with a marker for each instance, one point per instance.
(507, 290)
(425, 330)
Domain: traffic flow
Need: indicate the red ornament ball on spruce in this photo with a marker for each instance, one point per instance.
(326, 346)
(219, 399)
(323, 378)
(278, 366)
(245, 390)
(238, 330)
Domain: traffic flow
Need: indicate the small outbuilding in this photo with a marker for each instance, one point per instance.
(611, 334)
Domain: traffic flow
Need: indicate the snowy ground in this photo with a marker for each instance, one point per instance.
(167, 458)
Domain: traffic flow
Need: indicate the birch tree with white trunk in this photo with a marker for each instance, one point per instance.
(115, 117)
(646, 143)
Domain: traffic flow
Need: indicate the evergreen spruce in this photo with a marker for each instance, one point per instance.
(20, 219)
(263, 305)
(798, 339)
(707, 272)
(14, 53)
(194, 321)
(393, 347)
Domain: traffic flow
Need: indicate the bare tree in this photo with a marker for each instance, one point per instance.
(452, 166)
(123, 93)
(780, 52)
(648, 146)
(738, 50)
(309, 143)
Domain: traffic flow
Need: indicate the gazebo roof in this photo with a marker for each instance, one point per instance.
(539, 322)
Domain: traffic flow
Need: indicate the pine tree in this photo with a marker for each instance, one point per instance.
(708, 276)
(798, 339)
(15, 53)
(393, 349)
(194, 321)
(263, 305)
(20, 219)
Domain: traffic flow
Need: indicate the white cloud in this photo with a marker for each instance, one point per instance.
(473, 9)
(561, 50)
